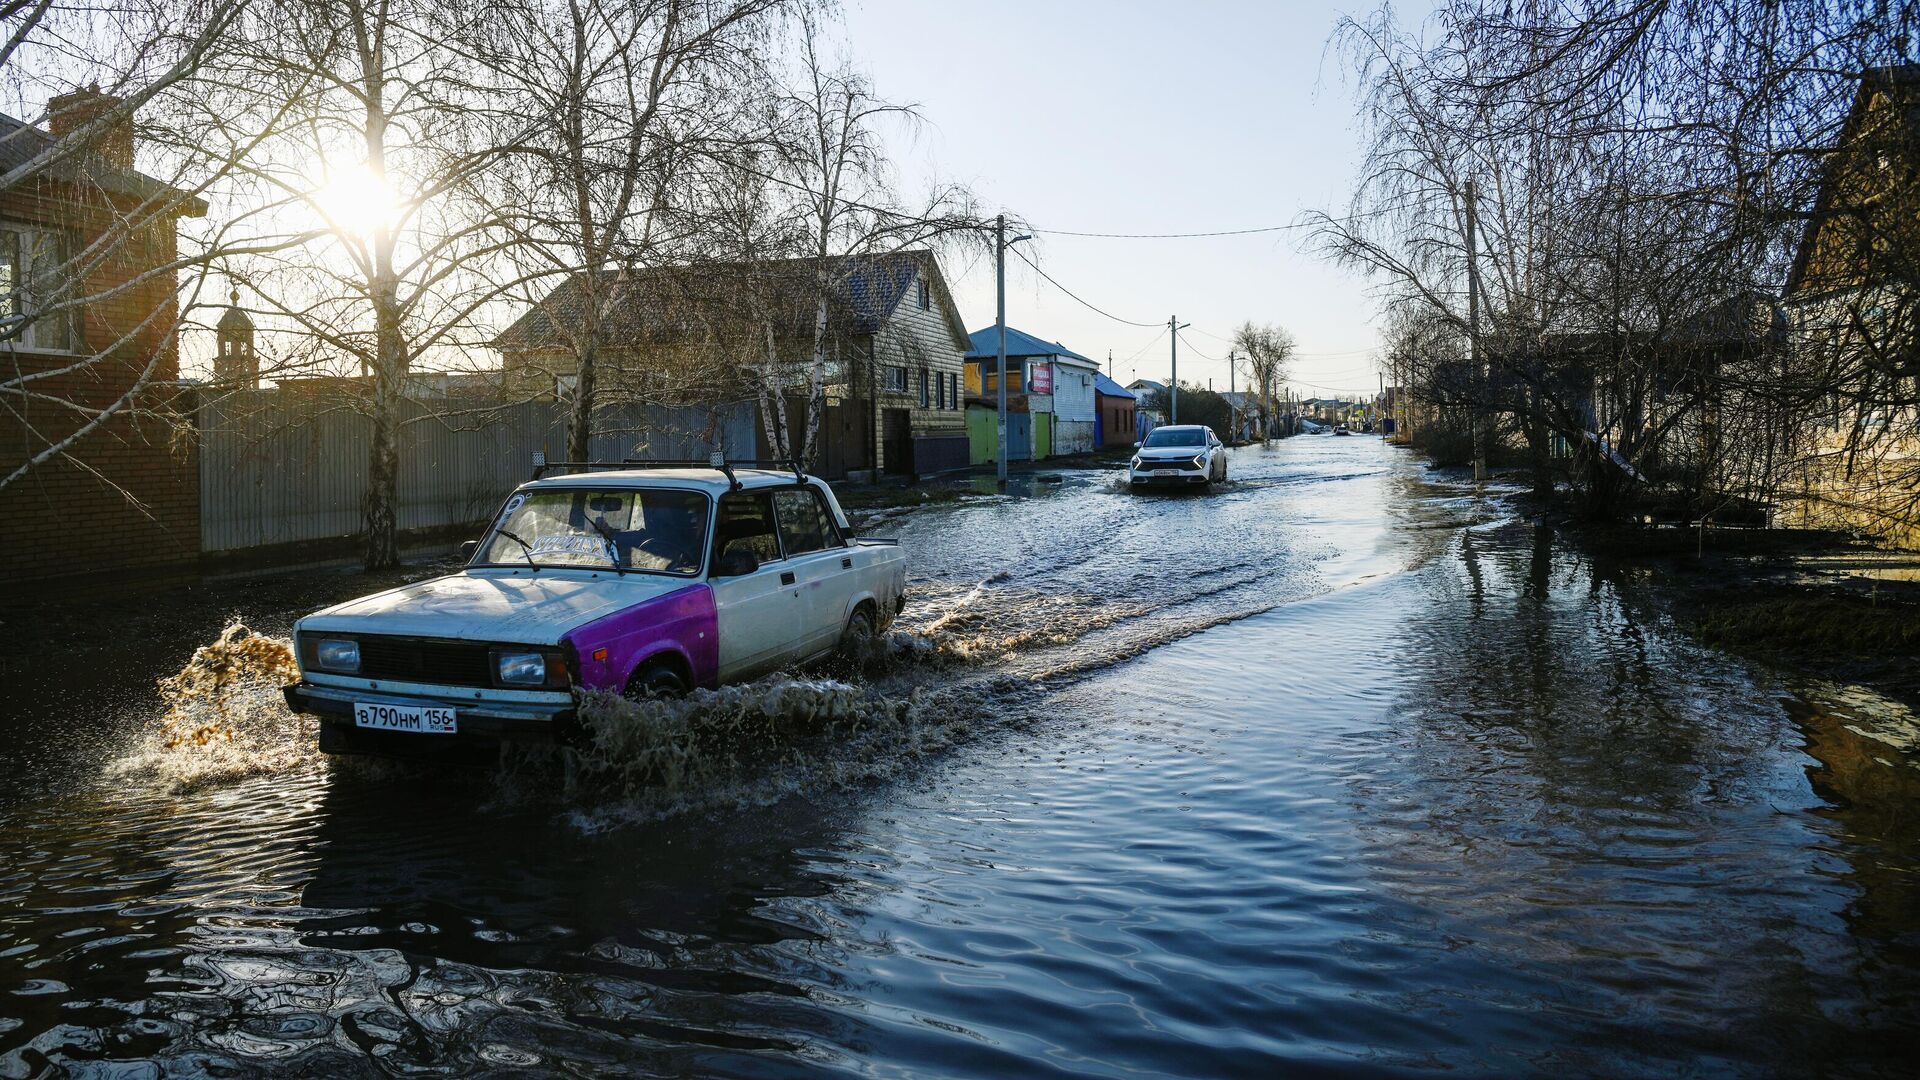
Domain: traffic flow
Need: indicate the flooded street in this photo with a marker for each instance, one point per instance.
(1337, 770)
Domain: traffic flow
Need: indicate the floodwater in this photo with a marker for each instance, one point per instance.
(1339, 770)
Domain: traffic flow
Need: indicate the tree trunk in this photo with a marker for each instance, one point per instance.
(816, 379)
(580, 422)
(383, 454)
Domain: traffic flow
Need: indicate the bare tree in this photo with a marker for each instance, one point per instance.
(387, 147)
(1264, 351)
(625, 91)
(836, 163)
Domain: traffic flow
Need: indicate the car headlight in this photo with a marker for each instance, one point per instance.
(521, 668)
(1200, 462)
(337, 654)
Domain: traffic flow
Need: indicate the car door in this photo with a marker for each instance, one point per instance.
(758, 614)
(821, 563)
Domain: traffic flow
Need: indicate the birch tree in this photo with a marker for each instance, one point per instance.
(625, 91)
(388, 149)
(836, 161)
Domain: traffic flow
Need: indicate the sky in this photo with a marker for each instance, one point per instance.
(1136, 117)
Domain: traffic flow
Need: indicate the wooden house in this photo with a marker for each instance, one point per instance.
(680, 335)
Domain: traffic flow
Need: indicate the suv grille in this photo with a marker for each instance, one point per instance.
(454, 663)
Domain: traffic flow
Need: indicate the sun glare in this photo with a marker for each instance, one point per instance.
(357, 201)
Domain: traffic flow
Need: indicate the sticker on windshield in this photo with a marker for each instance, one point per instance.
(592, 547)
(512, 505)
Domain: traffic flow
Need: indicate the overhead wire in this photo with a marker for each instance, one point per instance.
(1077, 298)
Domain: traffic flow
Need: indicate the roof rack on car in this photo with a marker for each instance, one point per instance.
(717, 461)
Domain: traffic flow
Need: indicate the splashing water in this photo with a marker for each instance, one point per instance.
(224, 717)
(744, 745)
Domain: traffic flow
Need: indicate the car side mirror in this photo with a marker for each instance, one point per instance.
(467, 550)
(737, 562)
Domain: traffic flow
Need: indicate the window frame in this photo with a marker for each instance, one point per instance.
(834, 540)
(773, 515)
(887, 382)
(26, 241)
(926, 396)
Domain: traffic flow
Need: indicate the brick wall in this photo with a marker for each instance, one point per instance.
(126, 496)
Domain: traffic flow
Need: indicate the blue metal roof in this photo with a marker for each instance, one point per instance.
(1104, 385)
(1019, 343)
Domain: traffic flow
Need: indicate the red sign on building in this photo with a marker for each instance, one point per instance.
(1041, 379)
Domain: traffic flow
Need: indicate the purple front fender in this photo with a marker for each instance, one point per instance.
(612, 648)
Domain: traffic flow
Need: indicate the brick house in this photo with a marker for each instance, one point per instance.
(684, 335)
(99, 350)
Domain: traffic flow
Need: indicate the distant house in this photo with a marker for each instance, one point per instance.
(686, 334)
(98, 350)
(1049, 386)
(1114, 425)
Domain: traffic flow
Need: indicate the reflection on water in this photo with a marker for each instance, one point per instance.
(1333, 771)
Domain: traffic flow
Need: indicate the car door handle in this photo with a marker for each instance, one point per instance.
(846, 564)
(786, 578)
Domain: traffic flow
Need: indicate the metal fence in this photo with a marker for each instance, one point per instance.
(279, 468)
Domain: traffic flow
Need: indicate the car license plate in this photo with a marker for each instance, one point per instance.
(429, 719)
(1166, 472)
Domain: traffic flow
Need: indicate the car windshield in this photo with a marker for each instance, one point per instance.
(659, 531)
(1168, 437)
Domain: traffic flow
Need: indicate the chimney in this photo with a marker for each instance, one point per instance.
(68, 113)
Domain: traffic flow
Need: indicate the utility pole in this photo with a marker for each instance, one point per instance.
(1000, 332)
(1380, 410)
(1174, 326)
(1233, 407)
(1473, 333)
(1000, 246)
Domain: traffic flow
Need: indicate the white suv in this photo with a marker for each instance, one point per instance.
(1178, 455)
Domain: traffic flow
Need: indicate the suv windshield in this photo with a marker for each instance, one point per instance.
(1176, 437)
(658, 531)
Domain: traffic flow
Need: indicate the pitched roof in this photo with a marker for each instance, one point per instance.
(1104, 385)
(21, 142)
(986, 346)
(1901, 85)
(671, 303)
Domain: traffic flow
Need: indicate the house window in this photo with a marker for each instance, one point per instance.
(940, 389)
(30, 263)
(896, 380)
(926, 296)
(954, 397)
(926, 400)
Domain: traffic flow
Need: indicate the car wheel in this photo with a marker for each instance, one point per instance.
(856, 641)
(657, 678)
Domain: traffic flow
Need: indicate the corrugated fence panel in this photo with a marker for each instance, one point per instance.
(277, 468)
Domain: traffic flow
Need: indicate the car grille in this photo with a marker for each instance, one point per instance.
(454, 663)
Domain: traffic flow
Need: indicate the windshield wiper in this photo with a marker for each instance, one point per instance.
(613, 543)
(525, 548)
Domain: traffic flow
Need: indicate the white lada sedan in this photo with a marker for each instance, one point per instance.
(1178, 455)
(629, 579)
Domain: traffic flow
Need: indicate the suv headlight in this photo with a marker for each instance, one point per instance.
(1200, 462)
(516, 668)
(337, 654)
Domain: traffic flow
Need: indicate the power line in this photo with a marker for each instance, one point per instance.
(1070, 292)
(1144, 348)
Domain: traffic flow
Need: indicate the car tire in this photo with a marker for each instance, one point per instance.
(657, 678)
(856, 640)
